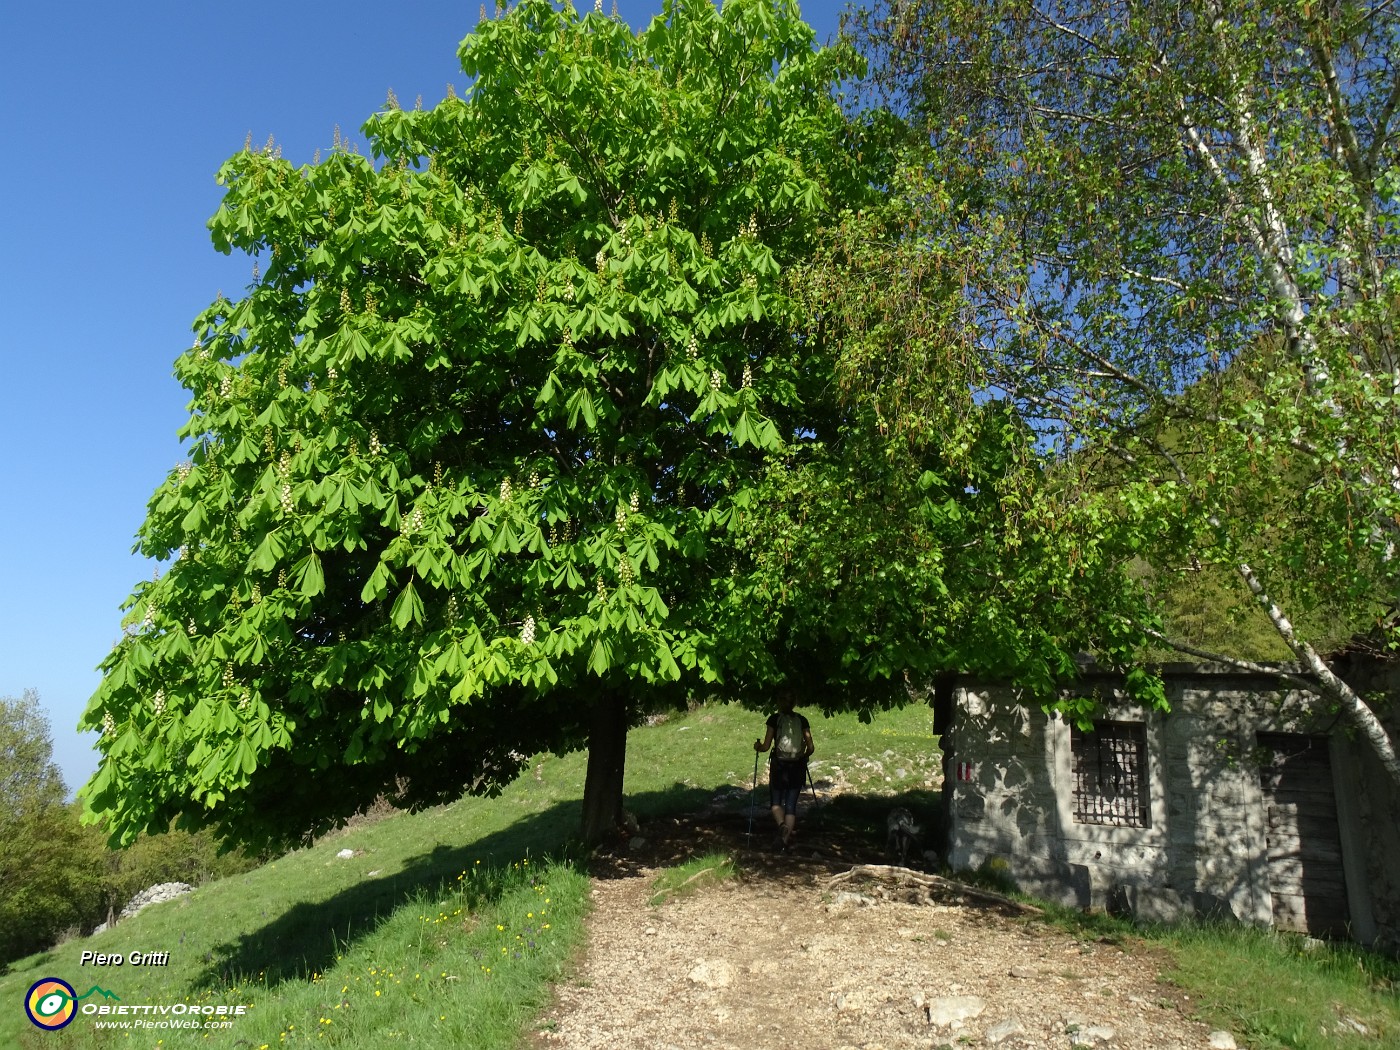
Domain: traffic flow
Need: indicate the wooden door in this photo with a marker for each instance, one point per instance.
(1305, 871)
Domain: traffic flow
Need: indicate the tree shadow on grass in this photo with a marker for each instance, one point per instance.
(676, 822)
(307, 937)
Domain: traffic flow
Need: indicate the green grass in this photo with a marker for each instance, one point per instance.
(896, 754)
(445, 922)
(1272, 990)
(395, 943)
(1276, 991)
(695, 874)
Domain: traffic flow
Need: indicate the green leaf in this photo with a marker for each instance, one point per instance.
(227, 719)
(268, 552)
(743, 432)
(505, 539)
(247, 758)
(194, 520)
(600, 659)
(310, 579)
(667, 663)
(580, 407)
(408, 608)
(378, 584)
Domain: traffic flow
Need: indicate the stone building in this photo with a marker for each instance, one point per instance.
(1248, 799)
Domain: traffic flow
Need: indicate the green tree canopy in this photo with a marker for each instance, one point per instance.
(29, 780)
(916, 541)
(45, 865)
(468, 456)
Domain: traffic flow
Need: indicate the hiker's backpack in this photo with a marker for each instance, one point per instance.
(789, 744)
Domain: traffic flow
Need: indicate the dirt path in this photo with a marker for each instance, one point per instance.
(775, 960)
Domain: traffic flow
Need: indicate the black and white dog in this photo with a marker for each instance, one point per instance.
(902, 834)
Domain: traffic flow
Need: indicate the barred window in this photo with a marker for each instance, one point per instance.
(1110, 774)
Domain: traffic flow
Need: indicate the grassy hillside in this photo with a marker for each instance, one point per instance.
(445, 926)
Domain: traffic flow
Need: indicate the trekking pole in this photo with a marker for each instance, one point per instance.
(821, 818)
(753, 794)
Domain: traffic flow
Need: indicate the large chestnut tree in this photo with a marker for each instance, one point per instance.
(466, 460)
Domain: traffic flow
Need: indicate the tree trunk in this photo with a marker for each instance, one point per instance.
(607, 758)
(1354, 709)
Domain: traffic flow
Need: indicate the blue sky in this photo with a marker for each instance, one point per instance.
(118, 117)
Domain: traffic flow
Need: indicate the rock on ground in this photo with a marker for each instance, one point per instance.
(157, 894)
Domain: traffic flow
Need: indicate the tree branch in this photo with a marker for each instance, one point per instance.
(1230, 661)
(1345, 134)
(1383, 119)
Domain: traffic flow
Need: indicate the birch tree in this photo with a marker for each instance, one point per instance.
(1178, 226)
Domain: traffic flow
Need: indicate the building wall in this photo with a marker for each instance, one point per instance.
(1371, 804)
(1203, 850)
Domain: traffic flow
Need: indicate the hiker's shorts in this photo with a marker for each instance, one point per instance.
(785, 782)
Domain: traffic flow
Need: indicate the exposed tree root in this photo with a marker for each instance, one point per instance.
(907, 876)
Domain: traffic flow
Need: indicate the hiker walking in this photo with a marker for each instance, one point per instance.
(790, 736)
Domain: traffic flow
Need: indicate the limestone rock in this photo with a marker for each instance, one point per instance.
(1222, 1041)
(165, 891)
(1004, 1030)
(947, 1010)
(712, 974)
(1092, 1035)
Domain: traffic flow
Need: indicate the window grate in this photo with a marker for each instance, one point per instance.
(1110, 774)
